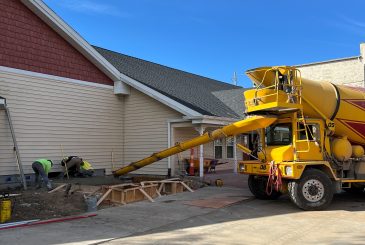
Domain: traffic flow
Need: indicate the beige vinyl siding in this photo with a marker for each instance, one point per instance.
(145, 130)
(48, 113)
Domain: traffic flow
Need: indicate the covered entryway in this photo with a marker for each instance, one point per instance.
(208, 158)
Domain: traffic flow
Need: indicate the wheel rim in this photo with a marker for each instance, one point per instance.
(313, 190)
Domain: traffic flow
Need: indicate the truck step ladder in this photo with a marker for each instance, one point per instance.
(301, 121)
(3, 106)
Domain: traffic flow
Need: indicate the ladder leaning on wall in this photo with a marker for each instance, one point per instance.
(3, 106)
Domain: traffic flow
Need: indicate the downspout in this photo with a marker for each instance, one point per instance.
(168, 146)
(235, 153)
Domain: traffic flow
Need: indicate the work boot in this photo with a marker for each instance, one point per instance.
(38, 186)
(49, 186)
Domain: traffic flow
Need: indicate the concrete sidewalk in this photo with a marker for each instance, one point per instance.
(121, 221)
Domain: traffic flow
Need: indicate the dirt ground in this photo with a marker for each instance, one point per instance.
(38, 204)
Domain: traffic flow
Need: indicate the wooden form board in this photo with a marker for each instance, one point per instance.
(127, 193)
(170, 186)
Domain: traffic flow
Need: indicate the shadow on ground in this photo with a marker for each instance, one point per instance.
(170, 221)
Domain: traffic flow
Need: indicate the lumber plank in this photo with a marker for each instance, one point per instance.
(161, 186)
(186, 186)
(57, 188)
(146, 195)
(122, 185)
(158, 193)
(103, 197)
(92, 193)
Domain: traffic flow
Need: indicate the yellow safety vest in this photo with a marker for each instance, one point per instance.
(86, 165)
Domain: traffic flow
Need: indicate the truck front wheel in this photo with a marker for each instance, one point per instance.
(257, 185)
(313, 191)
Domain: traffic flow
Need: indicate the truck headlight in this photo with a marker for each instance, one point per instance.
(288, 170)
(242, 167)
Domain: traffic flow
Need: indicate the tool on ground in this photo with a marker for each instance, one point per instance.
(219, 182)
(191, 167)
(57, 188)
(68, 190)
(63, 157)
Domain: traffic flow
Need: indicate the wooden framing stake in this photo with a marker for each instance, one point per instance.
(57, 188)
(146, 195)
(63, 157)
(186, 186)
(103, 197)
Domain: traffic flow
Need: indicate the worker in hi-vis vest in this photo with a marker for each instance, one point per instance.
(77, 167)
(42, 167)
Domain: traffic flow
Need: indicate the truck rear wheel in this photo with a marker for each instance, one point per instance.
(313, 191)
(257, 185)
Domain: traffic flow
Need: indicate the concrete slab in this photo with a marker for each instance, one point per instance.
(216, 202)
(116, 222)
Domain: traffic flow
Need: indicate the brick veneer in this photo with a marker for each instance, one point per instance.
(27, 43)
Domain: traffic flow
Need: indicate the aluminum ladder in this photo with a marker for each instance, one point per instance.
(4, 106)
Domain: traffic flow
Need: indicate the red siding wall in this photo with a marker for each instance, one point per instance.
(27, 43)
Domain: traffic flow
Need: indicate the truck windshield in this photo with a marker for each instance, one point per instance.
(279, 134)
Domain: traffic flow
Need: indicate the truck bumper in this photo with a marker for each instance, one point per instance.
(289, 170)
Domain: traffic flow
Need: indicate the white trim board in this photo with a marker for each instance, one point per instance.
(13, 71)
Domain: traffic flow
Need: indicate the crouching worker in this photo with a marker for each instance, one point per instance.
(42, 167)
(86, 169)
(77, 167)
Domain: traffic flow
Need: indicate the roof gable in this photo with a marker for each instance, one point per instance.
(193, 91)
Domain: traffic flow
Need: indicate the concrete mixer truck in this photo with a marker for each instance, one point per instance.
(310, 138)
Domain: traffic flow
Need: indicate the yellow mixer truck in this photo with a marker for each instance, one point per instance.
(310, 138)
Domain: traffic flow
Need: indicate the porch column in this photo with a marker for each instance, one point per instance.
(201, 153)
(235, 154)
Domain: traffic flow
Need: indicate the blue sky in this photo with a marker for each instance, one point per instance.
(215, 38)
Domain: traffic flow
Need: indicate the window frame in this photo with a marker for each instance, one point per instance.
(229, 145)
(215, 145)
(272, 137)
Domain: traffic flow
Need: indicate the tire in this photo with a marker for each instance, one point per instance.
(313, 191)
(257, 186)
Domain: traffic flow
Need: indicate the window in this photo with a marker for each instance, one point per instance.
(279, 134)
(312, 131)
(230, 145)
(218, 149)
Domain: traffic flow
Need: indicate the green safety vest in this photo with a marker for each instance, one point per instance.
(86, 166)
(46, 164)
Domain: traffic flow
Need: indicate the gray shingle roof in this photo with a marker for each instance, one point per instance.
(201, 94)
(234, 99)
